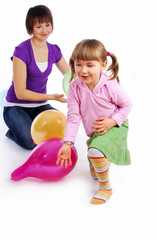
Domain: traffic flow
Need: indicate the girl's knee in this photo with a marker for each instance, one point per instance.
(94, 152)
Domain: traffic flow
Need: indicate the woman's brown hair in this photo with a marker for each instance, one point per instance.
(38, 13)
(91, 49)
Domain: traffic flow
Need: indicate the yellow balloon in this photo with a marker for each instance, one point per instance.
(48, 124)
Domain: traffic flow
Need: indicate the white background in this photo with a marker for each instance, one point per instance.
(32, 209)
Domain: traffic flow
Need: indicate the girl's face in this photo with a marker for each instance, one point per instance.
(89, 71)
(42, 31)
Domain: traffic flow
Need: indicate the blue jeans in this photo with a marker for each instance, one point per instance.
(19, 121)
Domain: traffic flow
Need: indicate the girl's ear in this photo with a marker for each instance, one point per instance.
(103, 66)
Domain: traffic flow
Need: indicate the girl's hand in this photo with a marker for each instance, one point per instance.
(64, 155)
(58, 97)
(103, 124)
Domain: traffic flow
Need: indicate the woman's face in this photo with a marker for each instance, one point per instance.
(42, 31)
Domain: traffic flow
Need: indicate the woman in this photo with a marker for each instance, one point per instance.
(32, 64)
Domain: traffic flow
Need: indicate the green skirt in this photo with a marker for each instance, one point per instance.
(113, 144)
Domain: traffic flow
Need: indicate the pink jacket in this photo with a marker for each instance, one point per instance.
(107, 99)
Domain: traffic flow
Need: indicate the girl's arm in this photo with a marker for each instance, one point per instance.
(72, 125)
(20, 75)
(103, 124)
(73, 116)
(63, 66)
(123, 103)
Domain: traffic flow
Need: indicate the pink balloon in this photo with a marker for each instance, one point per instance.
(42, 162)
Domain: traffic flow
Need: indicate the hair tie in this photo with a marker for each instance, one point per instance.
(108, 53)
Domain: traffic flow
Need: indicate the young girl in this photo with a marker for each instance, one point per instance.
(100, 102)
(32, 64)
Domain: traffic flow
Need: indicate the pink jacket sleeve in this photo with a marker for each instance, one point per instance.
(73, 116)
(122, 101)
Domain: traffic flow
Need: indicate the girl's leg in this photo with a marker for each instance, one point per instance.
(93, 173)
(19, 124)
(94, 153)
(101, 166)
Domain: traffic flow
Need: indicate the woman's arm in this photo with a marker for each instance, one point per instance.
(20, 75)
(62, 66)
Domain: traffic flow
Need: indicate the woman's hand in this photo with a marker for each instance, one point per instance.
(64, 155)
(58, 97)
(103, 124)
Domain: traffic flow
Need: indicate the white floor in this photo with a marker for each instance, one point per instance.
(33, 209)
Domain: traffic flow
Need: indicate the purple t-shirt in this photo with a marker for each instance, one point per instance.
(36, 80)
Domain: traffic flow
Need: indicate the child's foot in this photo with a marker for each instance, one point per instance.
(93, 173)
(101, 197)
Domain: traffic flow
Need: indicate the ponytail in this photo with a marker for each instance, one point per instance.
(114, 67)
(73, 75)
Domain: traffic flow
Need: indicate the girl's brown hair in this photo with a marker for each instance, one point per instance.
(38, 13)
(91, 49)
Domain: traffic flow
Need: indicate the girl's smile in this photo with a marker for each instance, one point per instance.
(89, 71)
(84, 77)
